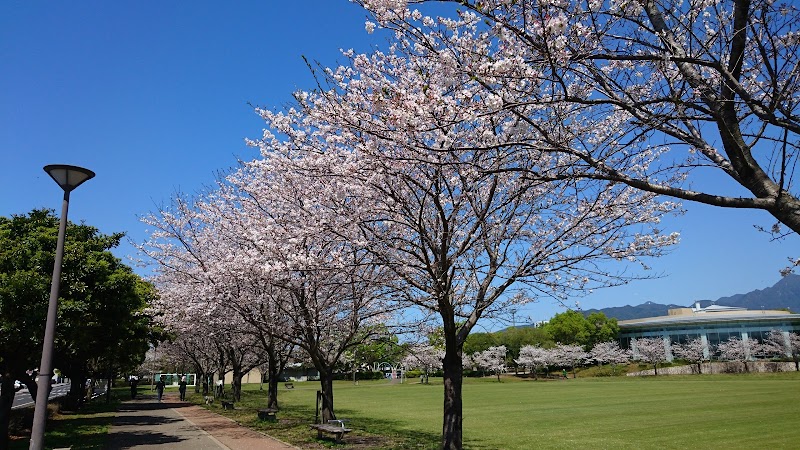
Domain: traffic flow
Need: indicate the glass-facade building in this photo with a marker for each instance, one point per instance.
(713, 325)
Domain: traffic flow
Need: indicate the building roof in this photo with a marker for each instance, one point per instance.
(711, 314)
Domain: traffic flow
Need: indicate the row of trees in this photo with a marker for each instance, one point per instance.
(102, 328)
(538, 358)
(504, 152)
(694, 351)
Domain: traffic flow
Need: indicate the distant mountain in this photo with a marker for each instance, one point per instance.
(784, 294)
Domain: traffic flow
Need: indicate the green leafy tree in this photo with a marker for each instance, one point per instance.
(601, 329)
(569, 327)
(479, 342)
(572, 327)
(101, 301)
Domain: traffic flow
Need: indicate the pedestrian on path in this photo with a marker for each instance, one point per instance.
(134, 383)
(160, 387)
(182, 387)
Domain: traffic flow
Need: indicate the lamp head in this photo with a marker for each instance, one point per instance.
(68, 177)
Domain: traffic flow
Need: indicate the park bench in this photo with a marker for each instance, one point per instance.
(269, 414)
(337, 430)
(289, 385)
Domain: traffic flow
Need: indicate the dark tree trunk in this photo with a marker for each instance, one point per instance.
(6, 402)
(77, 387)
(453, 381)
(273, 371)
(326, 383)
(236, 384)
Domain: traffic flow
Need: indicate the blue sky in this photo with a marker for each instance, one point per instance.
(153, 97)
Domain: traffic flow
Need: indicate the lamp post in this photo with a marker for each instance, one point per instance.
(69, 178)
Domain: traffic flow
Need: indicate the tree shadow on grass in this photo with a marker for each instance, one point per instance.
(390, 433)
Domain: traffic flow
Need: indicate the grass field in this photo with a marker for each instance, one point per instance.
(86, 429)
(702, 411)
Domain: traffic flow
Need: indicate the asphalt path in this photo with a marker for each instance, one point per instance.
(23, 398)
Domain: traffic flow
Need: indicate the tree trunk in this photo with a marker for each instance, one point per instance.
(655, 368)
(453, 381)
(326, 383)
(204, 376)
(6, 402)
(77, 387)
(274, 371)
(236, 385)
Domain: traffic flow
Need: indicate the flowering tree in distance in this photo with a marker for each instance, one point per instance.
(492, 359)
(609, 352)
(738, 349)
(424, 357)
(534, 357)
(780, 346)
(641, 92)
(693, 351)
(650, 350)
(570, 356)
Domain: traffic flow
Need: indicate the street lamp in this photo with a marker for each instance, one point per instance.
(69, 178)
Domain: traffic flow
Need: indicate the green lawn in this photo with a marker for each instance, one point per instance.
(85, 429)
(704, 411)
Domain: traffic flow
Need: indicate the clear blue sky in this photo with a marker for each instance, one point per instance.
(153, 96)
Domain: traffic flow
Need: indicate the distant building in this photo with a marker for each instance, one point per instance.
(713, 325)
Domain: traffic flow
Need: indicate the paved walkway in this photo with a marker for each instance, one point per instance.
(146, 424)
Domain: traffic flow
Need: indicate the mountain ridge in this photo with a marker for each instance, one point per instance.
(785, 294)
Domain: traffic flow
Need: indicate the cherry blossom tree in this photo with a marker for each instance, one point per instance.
(492, 359)
(570, 356)
(693, 351)
(782, 344)
(651, 350)
(465, 233)
(534, 357)
(424, 357)
(301, 231)
(609, 352)
(739, 349)
(217, 298)
(198, 349)
(648, 93)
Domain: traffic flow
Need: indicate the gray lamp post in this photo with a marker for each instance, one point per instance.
(68, 177)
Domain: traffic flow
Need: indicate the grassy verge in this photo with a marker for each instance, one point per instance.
(700, 411)
(81, 430)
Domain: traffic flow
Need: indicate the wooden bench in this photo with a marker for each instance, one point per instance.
(338, 431)
(289, 385)
(269, 414)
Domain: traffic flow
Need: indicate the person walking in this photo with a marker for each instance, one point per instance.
(182, 388)
(134, 383)
(160, 387)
